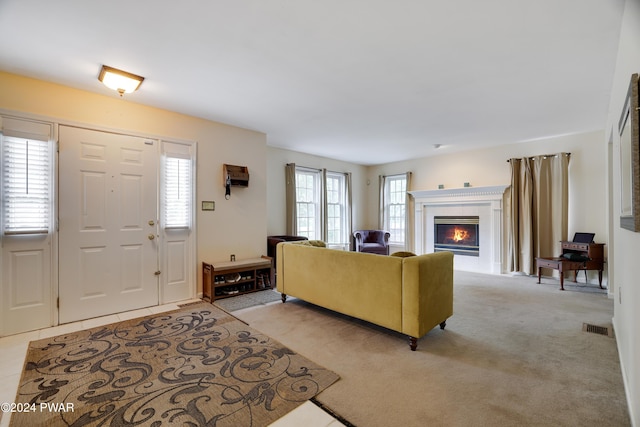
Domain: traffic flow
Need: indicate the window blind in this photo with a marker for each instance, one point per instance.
(26, 185)
(177, 192)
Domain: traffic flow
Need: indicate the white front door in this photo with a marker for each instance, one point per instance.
(108, 215)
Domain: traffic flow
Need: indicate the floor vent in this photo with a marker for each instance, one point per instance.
(595, 329)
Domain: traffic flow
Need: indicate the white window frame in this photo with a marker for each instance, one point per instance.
(336, 210)
(308, 203)
(395, 208)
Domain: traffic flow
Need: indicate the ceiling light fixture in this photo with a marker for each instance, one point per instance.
(119, 80)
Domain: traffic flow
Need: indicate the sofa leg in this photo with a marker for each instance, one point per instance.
(413, 343)
(284, 297)
(443, 324)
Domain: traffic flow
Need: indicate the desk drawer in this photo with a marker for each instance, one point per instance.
(576, 246)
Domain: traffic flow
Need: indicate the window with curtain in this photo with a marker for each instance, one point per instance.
(176, 184)
(395, 207)
(308, 204)
(26, 185)
(319, 205)
(539, 209)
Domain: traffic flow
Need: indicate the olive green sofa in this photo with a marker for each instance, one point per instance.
(409, 295)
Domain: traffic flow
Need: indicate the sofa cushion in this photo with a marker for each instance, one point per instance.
(403, 254)
(316, 243)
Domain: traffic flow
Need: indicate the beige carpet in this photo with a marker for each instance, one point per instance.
(513, 354)
(196, 366)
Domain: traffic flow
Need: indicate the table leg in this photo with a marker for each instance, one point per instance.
(561, 280)
(539, 273)
(600, 278)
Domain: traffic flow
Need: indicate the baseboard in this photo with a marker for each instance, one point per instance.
(627, 391)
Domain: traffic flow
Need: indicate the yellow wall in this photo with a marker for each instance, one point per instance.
(237, 225)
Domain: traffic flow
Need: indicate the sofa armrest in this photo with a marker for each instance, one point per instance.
(427, 292)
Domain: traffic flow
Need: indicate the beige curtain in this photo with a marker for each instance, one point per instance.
(290, 194)
(538, 209)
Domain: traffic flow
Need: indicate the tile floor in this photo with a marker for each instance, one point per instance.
(13, 350)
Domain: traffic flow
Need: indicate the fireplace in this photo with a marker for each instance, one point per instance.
(457, 234)
(483, 202)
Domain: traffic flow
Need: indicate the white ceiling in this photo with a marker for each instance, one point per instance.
(366, 81)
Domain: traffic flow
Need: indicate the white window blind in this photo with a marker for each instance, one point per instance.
(177, 192)
(26, 185)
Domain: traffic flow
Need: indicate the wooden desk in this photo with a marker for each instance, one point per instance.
(593, 251)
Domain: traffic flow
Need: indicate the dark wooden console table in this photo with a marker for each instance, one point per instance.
(593, 251)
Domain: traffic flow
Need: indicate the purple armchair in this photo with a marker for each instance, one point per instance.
(372, 241)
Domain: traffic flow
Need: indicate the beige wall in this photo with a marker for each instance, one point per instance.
(237, 225)
(276, 161)
(486, 167)
(626, 244)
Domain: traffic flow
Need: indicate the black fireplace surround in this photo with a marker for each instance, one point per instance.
(457, 234)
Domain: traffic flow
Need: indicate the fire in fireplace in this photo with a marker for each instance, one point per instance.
(457, 234)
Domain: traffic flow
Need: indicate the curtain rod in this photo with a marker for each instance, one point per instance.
(545, 155)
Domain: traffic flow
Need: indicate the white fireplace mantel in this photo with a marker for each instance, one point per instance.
(484, 202)
(461, 194)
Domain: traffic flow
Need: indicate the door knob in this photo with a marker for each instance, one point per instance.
(151, 236)
(152, 223)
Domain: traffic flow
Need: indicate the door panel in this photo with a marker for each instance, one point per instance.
(108, 249)
(94, 209)
(26, 283)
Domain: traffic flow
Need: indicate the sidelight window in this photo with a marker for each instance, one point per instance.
(176, 185)
(26, 185)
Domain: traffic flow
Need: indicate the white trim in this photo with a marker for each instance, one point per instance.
(481, 193)
(486, 202)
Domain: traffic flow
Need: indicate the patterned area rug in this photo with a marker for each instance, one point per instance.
(195, 366)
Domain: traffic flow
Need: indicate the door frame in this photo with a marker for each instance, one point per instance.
(54, 283)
